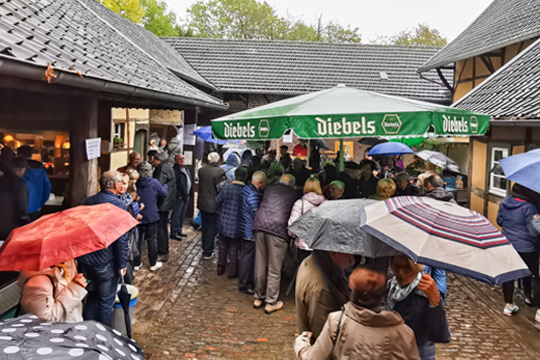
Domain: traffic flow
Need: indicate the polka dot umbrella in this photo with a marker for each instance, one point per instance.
(27, 337)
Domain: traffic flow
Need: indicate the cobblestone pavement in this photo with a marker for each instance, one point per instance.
(186, 311)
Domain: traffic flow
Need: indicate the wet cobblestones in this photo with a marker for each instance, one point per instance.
(186, 311)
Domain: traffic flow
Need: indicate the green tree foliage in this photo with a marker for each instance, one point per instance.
(252, 19)
(421, 35)
(158, 20)
(130, 9)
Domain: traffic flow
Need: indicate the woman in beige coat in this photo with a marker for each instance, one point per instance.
(54, 294)
(362, 330)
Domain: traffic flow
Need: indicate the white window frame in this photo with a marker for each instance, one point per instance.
(492, 163)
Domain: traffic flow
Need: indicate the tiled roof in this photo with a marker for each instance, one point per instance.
(292, 68)
(88, 37)
(511, 92)
(503, 23)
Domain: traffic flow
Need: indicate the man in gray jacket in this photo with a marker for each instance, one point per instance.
(209, 177)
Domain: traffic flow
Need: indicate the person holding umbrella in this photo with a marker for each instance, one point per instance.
(104, 267)
(54, 294)
(414, 295)
(515, 217)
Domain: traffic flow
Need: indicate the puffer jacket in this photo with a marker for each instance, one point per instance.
(150, 191)
(515, 217)
(37, 294)
(250, 202)
(307, 202)
(363, 334)
(233, 161)
(229, 202)
(209, 177)
(165, 175)
(276, 206)
(39, 186)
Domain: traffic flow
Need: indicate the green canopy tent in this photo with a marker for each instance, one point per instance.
(343, 112)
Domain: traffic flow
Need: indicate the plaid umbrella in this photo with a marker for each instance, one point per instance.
(446, 236)
(28, 337)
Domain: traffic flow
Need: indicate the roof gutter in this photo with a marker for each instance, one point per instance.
(516, 123)
(32, 71)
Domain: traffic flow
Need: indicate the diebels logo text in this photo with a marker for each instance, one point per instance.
(239, 131)
(457, 125)
(330, 127)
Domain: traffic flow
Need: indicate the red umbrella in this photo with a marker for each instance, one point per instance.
(64, 235)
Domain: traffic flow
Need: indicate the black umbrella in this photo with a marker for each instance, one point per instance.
(337, 226)
(27, 338)
(125, 297)
(371, 141)
(317, 143)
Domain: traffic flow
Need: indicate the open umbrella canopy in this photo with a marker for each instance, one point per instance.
(29, 338)
(389, 149)
(64, 235)
(438, 158)
(446, 236)
(523, 169)
(325, 228)
(342, 112)
(205, 133)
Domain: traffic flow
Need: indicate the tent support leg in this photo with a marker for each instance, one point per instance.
(341, 155)
(308, 151)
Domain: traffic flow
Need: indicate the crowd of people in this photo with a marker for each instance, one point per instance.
(247, 204)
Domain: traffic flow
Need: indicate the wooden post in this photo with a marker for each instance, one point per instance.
(191, 117)
(82, 172)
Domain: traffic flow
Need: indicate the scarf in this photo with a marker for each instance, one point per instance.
(126, 197)
(397, 293)
(335, 277)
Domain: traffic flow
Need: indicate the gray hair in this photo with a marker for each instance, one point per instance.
(288, 180)
(145, 169)
(109, 178)
(133, 154)
(402, 176)
(213, 158)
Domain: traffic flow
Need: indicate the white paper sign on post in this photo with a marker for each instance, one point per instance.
(93, 148)
(189, 137)
(188, 158)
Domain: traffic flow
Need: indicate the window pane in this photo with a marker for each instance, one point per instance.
(498, 155)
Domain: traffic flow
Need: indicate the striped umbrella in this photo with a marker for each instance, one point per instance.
(445, 235)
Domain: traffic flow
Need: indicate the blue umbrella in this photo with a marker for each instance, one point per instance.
(523, 169)
(389, 149)
(205, 133)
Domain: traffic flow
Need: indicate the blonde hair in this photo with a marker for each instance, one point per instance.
(313, 185)
(386, 188)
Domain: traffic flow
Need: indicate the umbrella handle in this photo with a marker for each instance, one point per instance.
(123, 283)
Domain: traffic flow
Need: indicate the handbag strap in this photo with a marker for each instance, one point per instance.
(339, 325)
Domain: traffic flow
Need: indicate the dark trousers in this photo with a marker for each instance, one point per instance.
(209, 232)
(246, 266)
(531, 259)
(102, 293)
(178, 215)
(148, 233)
(163, 233)
(228, 255)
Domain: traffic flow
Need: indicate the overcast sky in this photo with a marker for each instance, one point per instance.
(376, 17)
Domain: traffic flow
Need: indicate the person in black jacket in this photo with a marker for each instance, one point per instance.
(104, 267)
(184, 190)
(165, 174)
(285, 158)
(367, 182)
(300, 172)
(349, 178)
(415, 296)
(13, 197)
(404, 187)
